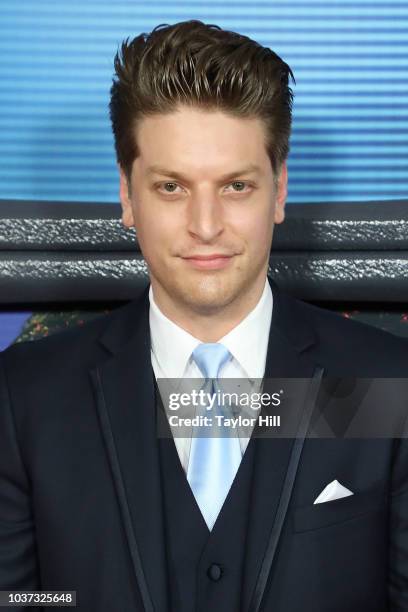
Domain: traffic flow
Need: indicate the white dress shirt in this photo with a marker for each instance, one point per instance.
(172, 346)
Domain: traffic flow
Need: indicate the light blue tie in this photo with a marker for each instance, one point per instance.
(214, 460)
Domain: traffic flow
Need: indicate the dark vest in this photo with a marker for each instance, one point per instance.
(204, 568)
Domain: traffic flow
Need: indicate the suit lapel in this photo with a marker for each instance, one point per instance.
(290, 355)
(125, 399)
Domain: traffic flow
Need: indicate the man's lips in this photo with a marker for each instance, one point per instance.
(211, 256)
(215, 261)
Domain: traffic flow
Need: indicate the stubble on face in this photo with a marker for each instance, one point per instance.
(209, 294)
(226, 294)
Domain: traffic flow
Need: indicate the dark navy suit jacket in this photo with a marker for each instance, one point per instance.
(80, 494)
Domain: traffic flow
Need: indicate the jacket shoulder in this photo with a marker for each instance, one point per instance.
(70, 348)
(365, 346)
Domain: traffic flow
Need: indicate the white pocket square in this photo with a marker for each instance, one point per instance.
(334, 490)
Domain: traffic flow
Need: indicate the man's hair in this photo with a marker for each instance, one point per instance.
(203, 66)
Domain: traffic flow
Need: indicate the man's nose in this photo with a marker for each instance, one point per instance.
(205, 217)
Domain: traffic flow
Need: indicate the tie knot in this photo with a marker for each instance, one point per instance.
(210, 358)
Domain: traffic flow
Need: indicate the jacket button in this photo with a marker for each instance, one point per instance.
(214, 572)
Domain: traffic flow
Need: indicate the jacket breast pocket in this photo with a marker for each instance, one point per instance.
(316, 516)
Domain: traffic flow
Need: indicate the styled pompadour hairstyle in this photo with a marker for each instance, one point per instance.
(203, 66)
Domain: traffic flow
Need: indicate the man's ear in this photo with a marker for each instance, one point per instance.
(127, 212)
(281, 193)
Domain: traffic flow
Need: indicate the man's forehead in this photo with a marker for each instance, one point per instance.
(218, 149)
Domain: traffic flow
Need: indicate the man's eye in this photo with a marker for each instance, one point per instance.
(173, 186)
(239, 186)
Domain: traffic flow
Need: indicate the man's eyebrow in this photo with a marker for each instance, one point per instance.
(252, 168)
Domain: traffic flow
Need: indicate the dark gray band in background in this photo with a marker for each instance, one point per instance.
(73, 252)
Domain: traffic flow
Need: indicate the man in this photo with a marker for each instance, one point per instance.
(91, 499)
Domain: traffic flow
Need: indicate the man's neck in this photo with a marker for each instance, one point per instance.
(209, 327)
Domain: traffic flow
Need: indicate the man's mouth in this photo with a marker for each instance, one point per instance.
(214, 261)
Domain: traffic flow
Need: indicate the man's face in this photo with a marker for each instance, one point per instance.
(203, 202)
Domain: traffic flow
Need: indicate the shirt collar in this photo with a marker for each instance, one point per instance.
(165, 336)
(247, 342)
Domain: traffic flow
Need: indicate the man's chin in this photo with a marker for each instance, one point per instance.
(207, 296)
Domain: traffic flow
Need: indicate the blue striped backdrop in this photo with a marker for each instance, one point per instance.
(350, 59)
